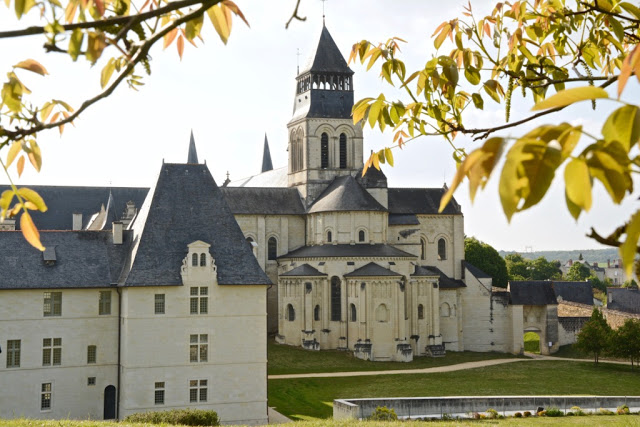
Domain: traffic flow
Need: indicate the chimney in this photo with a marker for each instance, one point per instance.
(77, 221)
(117, 232)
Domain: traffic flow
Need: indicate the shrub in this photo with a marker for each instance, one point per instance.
(383, 413)
(576, 410)
(187, 417)
(623, 410)
(492, 414)
(603, 411)
(518, 415)
(526, 414)
(542, 413)
(554, 412)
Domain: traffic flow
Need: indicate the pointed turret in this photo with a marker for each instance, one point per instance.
(266, 156)
(193, 154)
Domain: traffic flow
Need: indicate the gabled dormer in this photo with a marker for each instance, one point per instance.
(198, 265)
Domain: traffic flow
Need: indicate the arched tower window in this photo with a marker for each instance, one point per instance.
(442, 249)
(329, 236)
(420, 311)
(423, 248)
(352, 313)
(343, 151)
(336, 300)
(291, 313)
(362, 236)
(324, 150)
(272, 248)
(316, 313)
(194, 260)
(203, 260)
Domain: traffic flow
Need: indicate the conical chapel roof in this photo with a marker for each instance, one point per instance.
(327, 57)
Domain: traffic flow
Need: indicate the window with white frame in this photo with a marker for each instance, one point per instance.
(46, 396)
(51, 351)
(158, 304)
(197, 391)
(158, 397)
(199, 302)
(13, 353)
(198, 347)
(52, 304)
(92, 353)
(104, 305)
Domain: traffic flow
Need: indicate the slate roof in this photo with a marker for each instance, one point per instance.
(263, 201)
(64, 201)
(475, 270)
(444, 281)
(327, 57)
(425, 272)
(192, 157)
(532, 292)
(580, 292)
(372, 270)
(303, 270)
(374, 178)
(273, 178)
(345, 194)
(403, 219)
(420, 201)
(624, 299)
(348, 251)
(267, 165)
(83, 259)
(184, 206)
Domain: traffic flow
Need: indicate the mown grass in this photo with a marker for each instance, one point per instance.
(313, 397)
(532, 342)
(285, 359)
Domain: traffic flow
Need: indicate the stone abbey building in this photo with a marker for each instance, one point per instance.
(161, 298)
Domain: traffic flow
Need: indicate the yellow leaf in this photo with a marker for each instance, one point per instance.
(578, 184)
(235, 9)
(571, 96)
(375, 160)
(443, 35)
(30, 232)
(107, 72)
(194, 27)
(5, 201)
(169, 37)
(389, 156)
(20, 166)
(360, 109)
(95, 46)
(13, 152)
(33, 197)
(45, 111)
(33, 66)
(221, 20)
(629, 248)
(35, 156)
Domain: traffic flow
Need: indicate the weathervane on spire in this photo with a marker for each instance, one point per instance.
(323, 10)
(298, 59)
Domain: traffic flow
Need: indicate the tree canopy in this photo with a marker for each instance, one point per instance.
(487, 259)
(577, 50)
(578, 272)
(520, 268)
(595, 336)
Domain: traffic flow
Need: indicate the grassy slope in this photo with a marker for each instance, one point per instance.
(284, 359)
(304, 398)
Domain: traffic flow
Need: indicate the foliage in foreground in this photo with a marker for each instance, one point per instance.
(187, 417)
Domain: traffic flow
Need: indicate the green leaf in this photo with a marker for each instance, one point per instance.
(19, 7)
(578, 185)
(478, 102)
(623, 125)
(75, 43)
(610, 165)
(450, 71)
(630, 246)
(617, 28)
(490, 86)
(631, 8)
(194, 27)
(389, 156)
(472, 75)
(374, 111)
(571, 96)
(33, 197)
(107, 72)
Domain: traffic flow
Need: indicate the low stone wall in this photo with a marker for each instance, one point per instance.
(462, 406)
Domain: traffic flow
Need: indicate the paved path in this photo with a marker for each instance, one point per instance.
(449, 368)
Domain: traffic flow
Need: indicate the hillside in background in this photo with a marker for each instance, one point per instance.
(590, 255)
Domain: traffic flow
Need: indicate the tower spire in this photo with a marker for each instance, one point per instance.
(193, 154)
(267, 165)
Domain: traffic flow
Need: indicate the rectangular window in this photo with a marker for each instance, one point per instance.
(199, 301)
(13, 353)
(104, 305)
(91, 381)
(158, 398)
(158, 304)
(51, 351)
(197, 391)
(91, 354)
(198, 347)
(52, 304)
(46, 394)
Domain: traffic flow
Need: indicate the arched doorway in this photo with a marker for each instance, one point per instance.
(109, 403)
(532, 341)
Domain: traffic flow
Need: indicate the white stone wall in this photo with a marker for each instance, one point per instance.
(345, 227)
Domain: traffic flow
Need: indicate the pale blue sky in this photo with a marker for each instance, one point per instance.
(231, 95)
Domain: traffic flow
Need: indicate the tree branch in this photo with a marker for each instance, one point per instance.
(295, 15)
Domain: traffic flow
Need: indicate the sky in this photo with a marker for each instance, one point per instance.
(231, 96)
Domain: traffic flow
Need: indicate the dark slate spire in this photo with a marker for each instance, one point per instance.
(327, 57)
(193, 154)
(266, 156)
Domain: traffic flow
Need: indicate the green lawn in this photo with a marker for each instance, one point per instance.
(532, 342)
(312, 397)
(285, 359)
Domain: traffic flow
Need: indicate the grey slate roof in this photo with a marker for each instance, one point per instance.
(475, 270)
(403, 219)
(580, 292)
(193, 154)
(184, 206)
(64, 201)
(374, 178)
(425, 272)
(532, 292)
(263, 201)
(444, 281)
(273, 178)
(303, 270)
(420, 201)
(327, 57)
(267, 165)
(83, 259)
(345, 194)
(372, 270)
(348, 251)
(624, 299)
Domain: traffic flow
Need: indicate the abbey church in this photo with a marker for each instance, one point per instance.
(160, 298)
